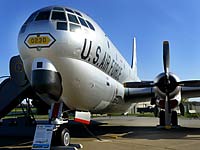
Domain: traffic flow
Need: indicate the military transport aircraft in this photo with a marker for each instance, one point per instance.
(66, 59)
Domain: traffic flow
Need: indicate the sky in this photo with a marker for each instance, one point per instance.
(150, 21)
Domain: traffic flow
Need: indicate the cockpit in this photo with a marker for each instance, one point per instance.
(65, 18)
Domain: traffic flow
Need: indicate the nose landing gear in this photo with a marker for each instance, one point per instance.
(61, 137)
(55, 133)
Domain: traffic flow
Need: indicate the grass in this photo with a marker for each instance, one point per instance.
(144, 115)
(17, 112)
(41, 117)
(188, 115)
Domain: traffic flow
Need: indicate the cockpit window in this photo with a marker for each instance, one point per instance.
(61, 25)
(58, 8)
(72, 18)
(74, 27)
(69, 10)
(31, 18)
(58, 16)
(78, 13)
(23, 28)
(44, 15)
(90, 25)
(82, 21)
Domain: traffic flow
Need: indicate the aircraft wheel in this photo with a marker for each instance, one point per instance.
(156, 111)
(65, 137)
(162, 118)
(174, 118)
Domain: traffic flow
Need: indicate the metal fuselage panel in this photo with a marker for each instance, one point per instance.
(92, 69)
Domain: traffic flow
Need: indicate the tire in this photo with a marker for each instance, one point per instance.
(156, 111)
(162, 118)
(174, 118)
(65, 137)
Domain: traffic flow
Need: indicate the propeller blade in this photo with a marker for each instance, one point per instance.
(142, 84)
(166, 56)
(190, 83)
(166, 70)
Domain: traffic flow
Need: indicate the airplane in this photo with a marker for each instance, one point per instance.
(67, 60)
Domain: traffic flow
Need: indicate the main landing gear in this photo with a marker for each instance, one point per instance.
(172, 119)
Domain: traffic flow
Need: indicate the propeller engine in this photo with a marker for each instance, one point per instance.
(165, 90)
(167, 86)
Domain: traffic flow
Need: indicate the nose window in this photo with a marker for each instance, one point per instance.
(90, 25)
(61, 26)
(72, 18)
(79, 14)
(58, 8)
(58, 16)
(69, 10)
(31, 18)
(74, 28)
(82, 21)
(43, 16)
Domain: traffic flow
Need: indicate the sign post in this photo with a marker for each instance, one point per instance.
(42, 137)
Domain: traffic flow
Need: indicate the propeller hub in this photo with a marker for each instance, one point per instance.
(166, 84)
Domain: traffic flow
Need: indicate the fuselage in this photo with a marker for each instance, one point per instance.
(92, 69)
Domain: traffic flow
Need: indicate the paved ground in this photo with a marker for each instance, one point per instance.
(125, 133)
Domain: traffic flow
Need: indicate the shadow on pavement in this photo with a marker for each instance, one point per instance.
(144, 132)
(103, 131)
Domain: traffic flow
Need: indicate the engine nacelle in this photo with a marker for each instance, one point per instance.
(173, 89)
(160, 88)
(174, 102)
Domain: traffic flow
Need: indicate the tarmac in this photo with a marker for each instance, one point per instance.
(123, 133)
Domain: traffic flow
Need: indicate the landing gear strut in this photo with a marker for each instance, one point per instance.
(162, 118)
(55, 133)
(174, 118)
(61, 134)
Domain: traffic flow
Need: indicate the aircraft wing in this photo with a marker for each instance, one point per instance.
(138, 94)
(190, 92)
(145, 94)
